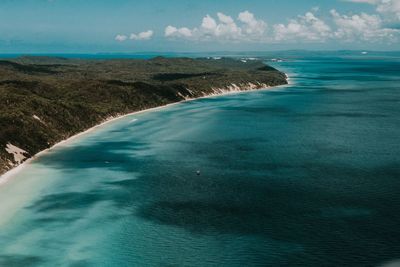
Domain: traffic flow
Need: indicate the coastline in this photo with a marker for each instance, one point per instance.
(7, 176)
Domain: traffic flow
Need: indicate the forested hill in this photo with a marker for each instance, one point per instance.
(44, 100)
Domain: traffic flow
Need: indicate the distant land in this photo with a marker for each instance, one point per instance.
(45, 100)
(264, 55)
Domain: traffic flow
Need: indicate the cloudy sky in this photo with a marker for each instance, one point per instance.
(79, 26)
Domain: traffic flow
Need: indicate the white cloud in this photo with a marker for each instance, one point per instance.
(227, 28)
(147, 35)
(307, 28)
(364, 1)
(361, 27)
(389, 9)
(304, 28)
(142, 35)
(224, 28)
(121, 38)
(225, 19)
(253, 27)
(171, 31)
(209, 24)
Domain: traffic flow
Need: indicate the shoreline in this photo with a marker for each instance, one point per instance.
(8, 175)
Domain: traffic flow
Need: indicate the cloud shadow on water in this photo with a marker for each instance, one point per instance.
(236, 203)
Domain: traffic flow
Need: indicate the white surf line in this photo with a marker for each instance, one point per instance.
(4, 178)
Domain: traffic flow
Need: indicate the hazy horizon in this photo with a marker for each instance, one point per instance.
(127, 26)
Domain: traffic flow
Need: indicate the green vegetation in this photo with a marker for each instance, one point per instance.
(44, 100)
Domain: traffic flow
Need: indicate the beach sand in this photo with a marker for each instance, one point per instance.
(221, 92)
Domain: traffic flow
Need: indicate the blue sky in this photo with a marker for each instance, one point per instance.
(78, 26)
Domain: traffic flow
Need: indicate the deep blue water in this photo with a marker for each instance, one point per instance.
(302, 175)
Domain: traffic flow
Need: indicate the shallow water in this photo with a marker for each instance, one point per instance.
(303, 175)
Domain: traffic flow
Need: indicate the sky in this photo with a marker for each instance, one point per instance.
(131, 26)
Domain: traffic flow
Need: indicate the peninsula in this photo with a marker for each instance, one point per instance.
(44, 100)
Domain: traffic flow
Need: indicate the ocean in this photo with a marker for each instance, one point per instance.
(301, 175)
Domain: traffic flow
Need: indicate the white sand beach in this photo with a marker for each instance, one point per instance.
(232, 89)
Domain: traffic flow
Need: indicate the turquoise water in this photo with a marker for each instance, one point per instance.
(302, 175)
